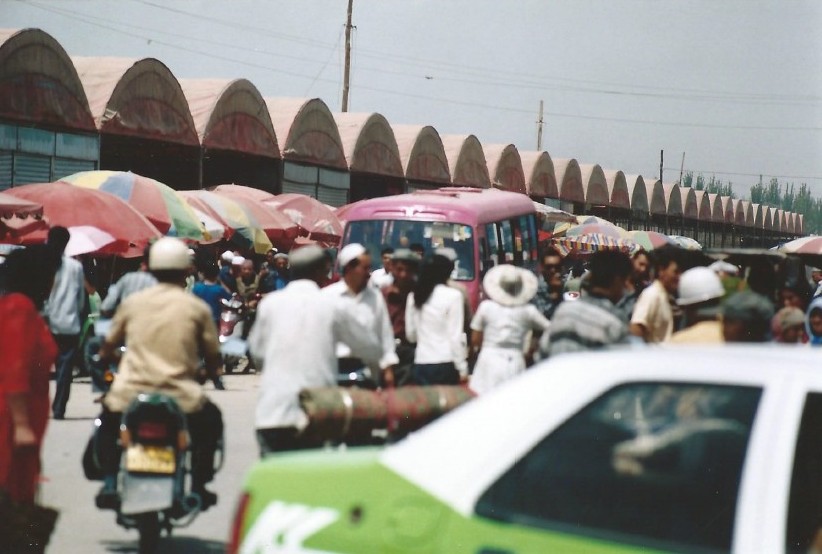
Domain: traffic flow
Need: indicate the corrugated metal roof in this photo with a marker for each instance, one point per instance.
(369, 144)
(306, 131)
(466, 161)
(39, 83)
(231, 115)
(422, 154)
(137, 98)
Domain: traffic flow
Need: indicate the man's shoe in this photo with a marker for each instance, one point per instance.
(59, 416)
(107, 498)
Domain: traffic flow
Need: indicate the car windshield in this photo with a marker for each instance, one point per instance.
(428, 235)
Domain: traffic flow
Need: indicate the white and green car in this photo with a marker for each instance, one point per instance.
(663, 449)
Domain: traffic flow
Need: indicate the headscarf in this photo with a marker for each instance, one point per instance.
(816, 304)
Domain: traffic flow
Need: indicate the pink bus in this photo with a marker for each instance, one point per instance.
(485, 227)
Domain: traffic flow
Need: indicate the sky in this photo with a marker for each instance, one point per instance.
(734, 85)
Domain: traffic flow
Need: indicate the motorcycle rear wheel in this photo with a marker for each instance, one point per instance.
(148, 525)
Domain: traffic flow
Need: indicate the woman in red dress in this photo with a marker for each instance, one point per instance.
(27, 353)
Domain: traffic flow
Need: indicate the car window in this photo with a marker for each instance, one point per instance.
(653, 464)
(804, 528)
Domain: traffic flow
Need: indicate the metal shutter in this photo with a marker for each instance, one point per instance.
(5, 170)
(64, 167)
(332, 196)
(300, 188)
(29, 168)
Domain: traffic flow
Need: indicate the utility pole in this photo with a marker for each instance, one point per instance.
(661, 157)
(682, 169)
(539, 128)
(347, 71)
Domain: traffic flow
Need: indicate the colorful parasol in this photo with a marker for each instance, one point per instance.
(161, 204)
(586, 244)
(86, 239)
(317, 219)
(68, 205)
(650, 240)
(18, 216)
(803, 245)
(277, 226)
(241, 227)
(561, 229)
(597, 229)
(685, 242)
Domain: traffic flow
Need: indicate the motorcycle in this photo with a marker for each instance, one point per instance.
(152, 493)
(235, 324)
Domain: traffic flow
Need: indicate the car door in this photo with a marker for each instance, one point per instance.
(649, 465)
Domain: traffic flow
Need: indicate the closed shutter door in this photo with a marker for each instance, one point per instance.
(332, 196)
(5, 170)
(63, 167)
(300, 188)
(29, 168)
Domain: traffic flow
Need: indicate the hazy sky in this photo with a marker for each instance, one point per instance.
(734, 84)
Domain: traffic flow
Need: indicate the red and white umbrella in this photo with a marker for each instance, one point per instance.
(803, 245)
(87, 239)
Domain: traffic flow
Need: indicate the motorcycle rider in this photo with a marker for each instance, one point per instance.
(167, 331)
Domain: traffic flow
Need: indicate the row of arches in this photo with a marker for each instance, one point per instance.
(193, 133)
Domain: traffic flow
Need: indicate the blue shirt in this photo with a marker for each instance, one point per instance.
(211, 294)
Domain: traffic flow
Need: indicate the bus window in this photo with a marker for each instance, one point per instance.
(507, 232)
(529, 240)
(494, 250)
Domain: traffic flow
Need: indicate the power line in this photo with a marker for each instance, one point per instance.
(711, 172)
(90, 20)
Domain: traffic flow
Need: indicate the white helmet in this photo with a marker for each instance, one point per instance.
(168, 253)
(699, 284)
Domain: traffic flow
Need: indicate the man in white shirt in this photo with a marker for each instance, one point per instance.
(653, 317)
(383, 277)
(294, 341)
(64, 309)
(368, 306)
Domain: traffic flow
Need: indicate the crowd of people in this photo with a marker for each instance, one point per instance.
(317, 318)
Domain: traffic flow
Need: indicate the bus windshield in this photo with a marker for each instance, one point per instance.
(375, 234)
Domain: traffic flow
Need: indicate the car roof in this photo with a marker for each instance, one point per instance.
(489, 432)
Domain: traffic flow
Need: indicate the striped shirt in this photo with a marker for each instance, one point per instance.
(589, 323)
(128, 284)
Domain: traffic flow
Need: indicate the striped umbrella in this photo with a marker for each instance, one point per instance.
(584, 244)
(597, 229)
(803, 245)
(686, 242)
(161, 204)
(561, 229)
(241, 227)
(650, 240)
(277, 226)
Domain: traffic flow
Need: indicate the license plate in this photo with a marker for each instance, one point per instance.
(150, 459)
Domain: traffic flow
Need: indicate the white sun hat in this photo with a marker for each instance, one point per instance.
(510, 285)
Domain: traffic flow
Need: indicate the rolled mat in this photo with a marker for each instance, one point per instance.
(343, 413)
(412, 407)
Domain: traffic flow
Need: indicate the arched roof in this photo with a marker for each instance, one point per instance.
(594, 185)
(690, 208)
(769, 215)
(638, 193)
(703, 203)
(739, 212)
(784, 221)
(569, 180)
(38, 82)
(800, 227)
(466, 160)
(749, 214)
(618, 196)
(778, 220)
(717, 212)
(656, 194)
(791, 220)
(758, 215)
(728, 209)
(369, 144)
(306, 131)
(673, 199)
(505, 167)
(422, 154)
(231, 115)
(138, 98)
(540, 179)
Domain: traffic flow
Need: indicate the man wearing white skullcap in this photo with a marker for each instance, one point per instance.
(294, 341)
(354, 295)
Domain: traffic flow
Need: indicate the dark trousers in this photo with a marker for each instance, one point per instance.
(64, 367)
(435, 374)
(204, 426)
(402, 371)
(282, 439)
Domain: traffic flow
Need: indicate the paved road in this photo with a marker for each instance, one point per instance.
(83, 529)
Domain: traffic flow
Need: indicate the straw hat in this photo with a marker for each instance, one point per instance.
(510, 285)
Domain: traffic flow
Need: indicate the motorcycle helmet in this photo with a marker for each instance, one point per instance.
(168, 253)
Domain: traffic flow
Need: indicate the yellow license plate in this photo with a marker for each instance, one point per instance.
(150, 459)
